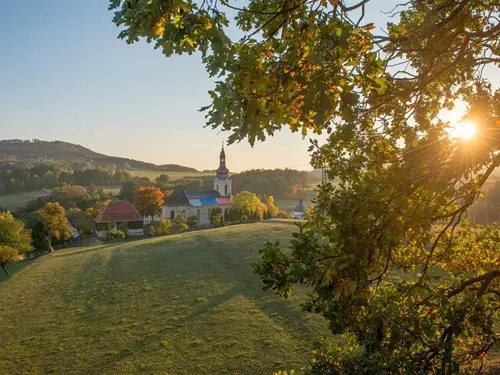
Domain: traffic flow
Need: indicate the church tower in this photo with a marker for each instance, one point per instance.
(222, 181)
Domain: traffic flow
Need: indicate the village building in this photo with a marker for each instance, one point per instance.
(300, 211)
(117, 213)
(200, 203)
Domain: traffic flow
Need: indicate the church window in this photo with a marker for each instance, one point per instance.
(225, 190)
(172, 214)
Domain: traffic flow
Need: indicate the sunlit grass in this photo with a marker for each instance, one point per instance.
(184, 304)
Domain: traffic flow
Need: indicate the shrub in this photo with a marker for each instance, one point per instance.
(283, 215)
(244, 218)
(179, 224)
(116, 234)
(151, 230)
(162, 226)
(216, 216)
(192, 221)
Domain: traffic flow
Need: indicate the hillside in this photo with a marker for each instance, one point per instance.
(36, 151)
(182, 304)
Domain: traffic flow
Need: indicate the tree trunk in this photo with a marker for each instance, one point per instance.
(5, 269)
(49, 244)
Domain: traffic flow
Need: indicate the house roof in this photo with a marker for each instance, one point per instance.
(118, 212)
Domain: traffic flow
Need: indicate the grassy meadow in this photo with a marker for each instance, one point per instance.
(19, 200)
(182, 304)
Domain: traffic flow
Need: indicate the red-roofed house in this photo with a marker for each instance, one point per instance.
(116, 213)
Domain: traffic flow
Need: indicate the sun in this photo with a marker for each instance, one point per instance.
(463, 130)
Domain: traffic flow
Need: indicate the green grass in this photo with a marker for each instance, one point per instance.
(183, 304)
(19, 200)
(173, 175)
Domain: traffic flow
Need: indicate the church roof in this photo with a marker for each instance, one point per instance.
(177, 198)
(198, 194)
(301, 207)
(118, 212)
(196, 198)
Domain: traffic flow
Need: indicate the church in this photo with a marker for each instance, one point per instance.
(200, 203)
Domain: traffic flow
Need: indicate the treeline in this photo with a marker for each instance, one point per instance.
(24, 154)
(280, 183)
(49, 176)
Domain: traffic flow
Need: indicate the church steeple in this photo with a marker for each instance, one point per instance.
(222, 171)
(222, 181)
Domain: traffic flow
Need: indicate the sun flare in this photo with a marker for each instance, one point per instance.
(463, 130)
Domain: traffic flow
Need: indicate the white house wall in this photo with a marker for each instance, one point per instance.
(203, 212)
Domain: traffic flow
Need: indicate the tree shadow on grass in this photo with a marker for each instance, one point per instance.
(12, 268)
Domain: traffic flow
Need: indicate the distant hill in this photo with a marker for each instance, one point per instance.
(15, 151)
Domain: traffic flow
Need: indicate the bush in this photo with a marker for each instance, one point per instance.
(244, 218)
(216, 216)
(283, 215)
(162, 226)
(151, 230)
(192, 221)
(179, 224)
(116, 234)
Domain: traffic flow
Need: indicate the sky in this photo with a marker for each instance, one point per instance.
(64, 75)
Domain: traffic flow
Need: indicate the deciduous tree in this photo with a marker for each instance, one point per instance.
(54, 223)
(15, 239)
(271, 206)
(148, 200)
(403, 184)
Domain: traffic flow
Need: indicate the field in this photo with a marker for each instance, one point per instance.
(19, 200)
(173, 175)
(182, 304)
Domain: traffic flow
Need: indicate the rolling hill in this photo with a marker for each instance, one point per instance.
(37, 151)
(182, 304)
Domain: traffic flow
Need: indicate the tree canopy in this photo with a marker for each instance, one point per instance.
(148, 200)
(54, 222)
(15, 239)
(390, 261)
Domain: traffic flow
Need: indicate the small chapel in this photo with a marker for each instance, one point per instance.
(200, 203)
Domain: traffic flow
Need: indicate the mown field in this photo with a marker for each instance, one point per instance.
(173, 175)
(13, 201)
(182, 304)
(19, 200)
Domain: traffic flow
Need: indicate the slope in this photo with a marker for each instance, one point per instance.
(185, 304)
(37, 150)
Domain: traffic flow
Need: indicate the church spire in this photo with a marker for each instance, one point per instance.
(222, 170)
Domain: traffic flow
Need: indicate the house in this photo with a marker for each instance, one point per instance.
(117, 213)
(300, 211)
(200, 203)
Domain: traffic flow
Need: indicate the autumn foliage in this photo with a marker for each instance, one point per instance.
(148, 200)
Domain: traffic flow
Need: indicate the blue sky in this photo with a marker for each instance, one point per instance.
(64, 75)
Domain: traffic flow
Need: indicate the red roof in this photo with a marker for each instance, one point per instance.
(118, 212)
